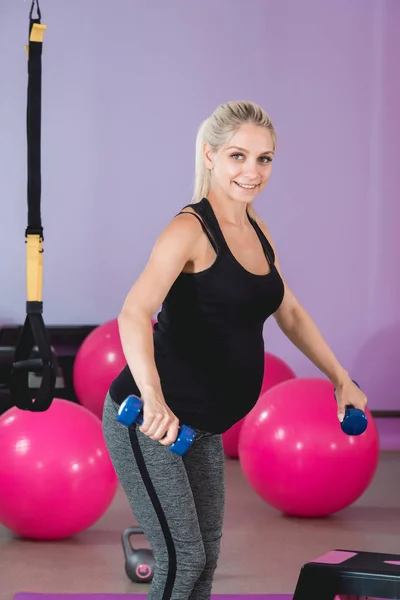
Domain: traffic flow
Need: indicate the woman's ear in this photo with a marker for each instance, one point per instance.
(208, 156)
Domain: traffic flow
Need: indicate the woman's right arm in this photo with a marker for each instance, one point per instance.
(176, 245)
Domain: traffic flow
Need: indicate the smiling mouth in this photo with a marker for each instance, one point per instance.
(246, 186)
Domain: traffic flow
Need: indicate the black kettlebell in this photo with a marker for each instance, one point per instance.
(139, 564)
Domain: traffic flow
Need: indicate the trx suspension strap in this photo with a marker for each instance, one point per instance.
(34, 335)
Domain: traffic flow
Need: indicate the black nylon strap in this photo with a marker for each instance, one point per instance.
(33, 128)
(33, 351)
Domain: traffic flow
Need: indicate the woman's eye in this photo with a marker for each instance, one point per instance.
(263, 159)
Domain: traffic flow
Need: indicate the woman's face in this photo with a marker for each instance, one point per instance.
(241, 169)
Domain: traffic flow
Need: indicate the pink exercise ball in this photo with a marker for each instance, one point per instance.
(295, 455)
(98, 361)
(230, 439)
(275, 371)
(56, 477)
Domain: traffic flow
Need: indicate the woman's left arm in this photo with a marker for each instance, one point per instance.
(295, 322)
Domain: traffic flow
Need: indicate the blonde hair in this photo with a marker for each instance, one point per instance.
(217, 130)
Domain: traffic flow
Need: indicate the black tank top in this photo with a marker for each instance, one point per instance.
(208, 340)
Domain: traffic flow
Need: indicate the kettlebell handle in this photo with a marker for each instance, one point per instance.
(126, 537)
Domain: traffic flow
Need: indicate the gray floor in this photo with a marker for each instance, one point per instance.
(261, 550)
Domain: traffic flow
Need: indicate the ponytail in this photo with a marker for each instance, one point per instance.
(202, 183)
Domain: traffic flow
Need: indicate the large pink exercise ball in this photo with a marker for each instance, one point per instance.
(295, 455)
(98, 361)
(56, 477)
(276, 370)
(230, 439)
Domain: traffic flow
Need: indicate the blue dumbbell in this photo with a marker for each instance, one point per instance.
(131, 411)
(355, 421)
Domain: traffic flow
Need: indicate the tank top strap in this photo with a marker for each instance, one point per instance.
(268, 250)
(204, 210)
(206, 231)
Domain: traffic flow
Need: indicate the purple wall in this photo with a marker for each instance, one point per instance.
(121, 105)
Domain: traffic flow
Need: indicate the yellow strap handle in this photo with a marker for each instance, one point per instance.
(37, 35)
(37, 32)
(34, 268)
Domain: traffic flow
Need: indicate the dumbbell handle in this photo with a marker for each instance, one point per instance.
(355, 421)
(134, 405)
(139, 420)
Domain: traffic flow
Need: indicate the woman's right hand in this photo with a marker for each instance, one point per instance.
(159, 422)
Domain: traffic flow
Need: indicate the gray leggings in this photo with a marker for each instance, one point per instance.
(178, 502)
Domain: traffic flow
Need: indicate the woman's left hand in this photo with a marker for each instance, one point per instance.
(348, 393)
